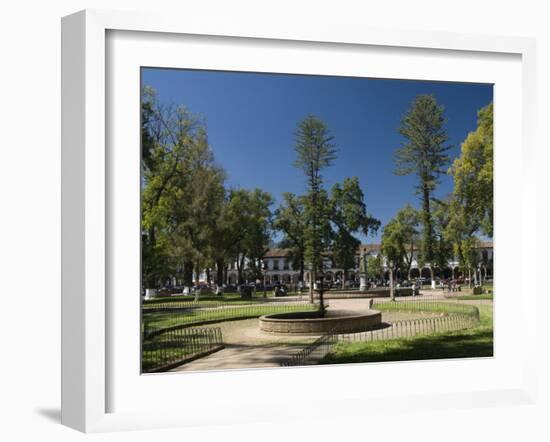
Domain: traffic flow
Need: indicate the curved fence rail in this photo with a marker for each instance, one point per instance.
(161, 321)
(313, 352)
(161, 352)
(429, 306)
(416, 327)
(454, 317)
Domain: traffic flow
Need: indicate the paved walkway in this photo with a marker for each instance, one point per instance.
(247, 347)
(235, 356)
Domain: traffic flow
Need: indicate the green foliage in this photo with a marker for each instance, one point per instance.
(349, 215)
(375, 267)
(399, 239)
(424, 151)
(249, 216)
(291, 221)
(176, 158)
(189, 220)
(470, 208)
(408, 221)
(424, 154)
(473, 173)
(315, 151)
(393, 244)
(443, 248)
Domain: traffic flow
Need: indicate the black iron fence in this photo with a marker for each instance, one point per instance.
(416, 327)
(169, 306)
(313, 352)
(453, 317)
(161, 352)
(428, 306)
(157, 322)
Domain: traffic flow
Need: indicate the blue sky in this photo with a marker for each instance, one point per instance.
(251, 119)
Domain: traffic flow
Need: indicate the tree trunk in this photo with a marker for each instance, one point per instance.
(311, 282)
(240, 268)
(151, 280)
(322, 299)
(188, 273)
(197, 281)
(392, 291)
(219, 272)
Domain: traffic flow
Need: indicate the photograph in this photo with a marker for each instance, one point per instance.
(303, 220)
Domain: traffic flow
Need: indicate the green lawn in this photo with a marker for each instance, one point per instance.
(427, 306)
(474, 297)
(159, 320)
(228, 298)
(181, 301)
(474, 342)
(175, 346)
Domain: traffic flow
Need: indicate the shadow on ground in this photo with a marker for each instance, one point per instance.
(51, 414)
(478, 344)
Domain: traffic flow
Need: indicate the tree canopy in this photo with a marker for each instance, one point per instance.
(473, 173)
(349, 216)
(424, 154)
(190, 221)
(315, 151)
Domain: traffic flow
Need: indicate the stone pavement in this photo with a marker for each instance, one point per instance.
(247, 347)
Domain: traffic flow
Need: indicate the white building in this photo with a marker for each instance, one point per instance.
(277, 265)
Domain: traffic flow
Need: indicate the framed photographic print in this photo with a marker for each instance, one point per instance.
(257, 211)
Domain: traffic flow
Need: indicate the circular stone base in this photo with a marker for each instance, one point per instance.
(311, 323)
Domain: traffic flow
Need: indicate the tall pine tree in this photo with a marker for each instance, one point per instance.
(424, 154)
(315, 151)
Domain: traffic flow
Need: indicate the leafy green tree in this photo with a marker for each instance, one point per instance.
(443, 250)
(460, 231)
(249, 216)
(424, 154)
(393, 248)
(168, 135)
(375, 267)
(473, 172)
(315, 151)
(290, 220)
(198, 204)
(409, 219)
(349, 215)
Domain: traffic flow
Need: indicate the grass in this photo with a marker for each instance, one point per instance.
(160, 320)
(228, 298)
(474, 342)
(182, 301)
(474, 297)
(177, 345)
(427, 306)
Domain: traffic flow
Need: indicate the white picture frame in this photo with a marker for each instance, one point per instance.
(87, 208)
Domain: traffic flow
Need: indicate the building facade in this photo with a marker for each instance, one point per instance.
(277, 266)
